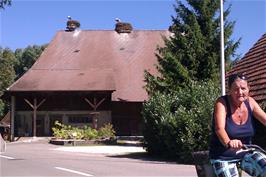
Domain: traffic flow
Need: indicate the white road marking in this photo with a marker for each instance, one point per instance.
(73, 171)
(6, 157)
(110, 150)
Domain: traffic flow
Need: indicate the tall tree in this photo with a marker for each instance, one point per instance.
(192, 52)
(4, 3)
(7, 72)
(14, 64)
(7, 63)
(27, 57)
(177, 117)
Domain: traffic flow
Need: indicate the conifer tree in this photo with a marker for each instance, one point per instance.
(192, 52)
(4, 3)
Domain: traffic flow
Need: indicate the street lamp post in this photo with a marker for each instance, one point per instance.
(222, 69)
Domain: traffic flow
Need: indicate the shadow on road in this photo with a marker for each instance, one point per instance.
(146, 157)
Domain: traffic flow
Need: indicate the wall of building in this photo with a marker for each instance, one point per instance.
(126, 118)
(46, 119)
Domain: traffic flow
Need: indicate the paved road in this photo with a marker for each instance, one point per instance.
(40, 159)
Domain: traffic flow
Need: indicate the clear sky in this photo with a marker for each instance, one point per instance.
(36, 21)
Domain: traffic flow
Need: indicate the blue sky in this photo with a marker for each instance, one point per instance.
(36, 22)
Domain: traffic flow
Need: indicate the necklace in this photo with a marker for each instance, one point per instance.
(239, 114)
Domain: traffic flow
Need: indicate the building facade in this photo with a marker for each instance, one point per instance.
(86, 77)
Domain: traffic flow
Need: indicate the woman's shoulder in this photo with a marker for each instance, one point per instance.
(252, 102)
(221, 104)
(250, 99)
(222, 99)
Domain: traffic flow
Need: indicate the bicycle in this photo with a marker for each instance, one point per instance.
(252, 152)
(251, 148)
(205, 169)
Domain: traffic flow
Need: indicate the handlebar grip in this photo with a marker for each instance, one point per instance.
(253, 147)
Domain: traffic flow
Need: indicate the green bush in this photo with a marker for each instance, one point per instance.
(62, 131)
(90, 133)
(107, 131)
(75, 133)
(179, 123)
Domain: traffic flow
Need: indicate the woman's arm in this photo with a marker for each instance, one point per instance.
(220, 119)
(257, 111)
(220, 116)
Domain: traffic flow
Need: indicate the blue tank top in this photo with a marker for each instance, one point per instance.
(243, 132)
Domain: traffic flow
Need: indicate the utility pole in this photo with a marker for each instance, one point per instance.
(222, 69)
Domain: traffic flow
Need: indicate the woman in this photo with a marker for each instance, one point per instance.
(232, 127)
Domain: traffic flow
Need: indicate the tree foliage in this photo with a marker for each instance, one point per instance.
(7, 72)
(7, 63)
(27, 57)
(4, 3)
(178, 114)
(192, 52)
(179, 123)
(13, 65)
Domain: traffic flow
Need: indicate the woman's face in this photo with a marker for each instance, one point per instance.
(239, 90)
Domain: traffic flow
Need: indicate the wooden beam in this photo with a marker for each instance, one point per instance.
(34, 106)
(12, 118)
(34, 116)
(94, 105)
(91, 104)
(100, 102)
(41, 103)
(29, 103)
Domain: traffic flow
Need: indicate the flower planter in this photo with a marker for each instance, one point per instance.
(74, 142)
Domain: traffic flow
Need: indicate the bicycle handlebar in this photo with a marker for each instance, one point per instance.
(251, 148)
(256, 147)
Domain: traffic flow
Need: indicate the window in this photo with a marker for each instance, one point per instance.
(79, 119)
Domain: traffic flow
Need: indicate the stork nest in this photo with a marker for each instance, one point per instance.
(72, 25)
(122, 27)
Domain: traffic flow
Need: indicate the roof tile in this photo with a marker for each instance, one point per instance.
(253, 64)
(95, 60)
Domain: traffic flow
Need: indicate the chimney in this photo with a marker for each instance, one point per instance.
(122, 27)
(72, 25)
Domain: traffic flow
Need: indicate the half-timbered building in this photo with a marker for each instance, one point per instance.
(86, 77)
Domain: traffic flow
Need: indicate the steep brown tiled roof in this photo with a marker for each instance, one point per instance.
(95, 60)
(253, 65)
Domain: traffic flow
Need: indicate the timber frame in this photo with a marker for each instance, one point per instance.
(38, 102)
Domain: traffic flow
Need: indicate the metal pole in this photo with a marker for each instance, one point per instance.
(222, 48)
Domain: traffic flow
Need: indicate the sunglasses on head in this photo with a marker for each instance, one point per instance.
(233, 77)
